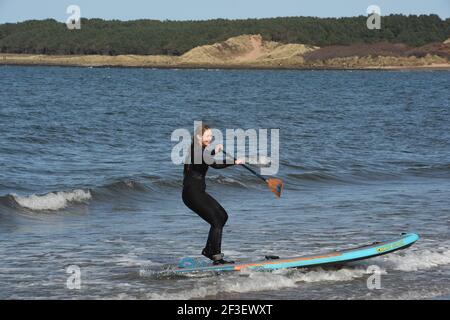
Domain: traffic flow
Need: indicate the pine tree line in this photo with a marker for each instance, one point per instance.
(144, 37)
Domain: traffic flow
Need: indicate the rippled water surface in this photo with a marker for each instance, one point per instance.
(87, 180)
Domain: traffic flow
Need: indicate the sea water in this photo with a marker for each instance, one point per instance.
(87, 182)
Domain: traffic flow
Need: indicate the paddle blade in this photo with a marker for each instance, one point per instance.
(276, 186)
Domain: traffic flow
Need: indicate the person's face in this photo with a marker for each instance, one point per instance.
(207, 137)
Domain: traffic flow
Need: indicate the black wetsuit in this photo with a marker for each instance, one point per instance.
(196, 198)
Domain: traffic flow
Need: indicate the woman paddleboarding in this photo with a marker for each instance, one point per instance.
(198, 200)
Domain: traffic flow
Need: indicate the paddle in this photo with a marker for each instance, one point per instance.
(275, 185)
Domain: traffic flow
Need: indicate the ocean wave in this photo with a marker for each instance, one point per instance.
(437, 170)
(124, 185)
(316, 177)
(416, 260)
(262, 281)
(169, 182)
(130, 186)
(52, 201)
(110, 190)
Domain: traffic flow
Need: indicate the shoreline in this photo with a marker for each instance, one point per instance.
(85, 64)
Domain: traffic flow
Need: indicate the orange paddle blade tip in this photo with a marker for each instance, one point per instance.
(276, 186)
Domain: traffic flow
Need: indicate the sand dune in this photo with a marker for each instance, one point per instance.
(245, 49)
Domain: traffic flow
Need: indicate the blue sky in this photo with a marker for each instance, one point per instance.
(20, 10)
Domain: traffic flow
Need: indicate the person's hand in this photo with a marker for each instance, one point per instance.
(239, 161)
(218, 148)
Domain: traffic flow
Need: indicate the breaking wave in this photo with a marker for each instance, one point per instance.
(52, 200)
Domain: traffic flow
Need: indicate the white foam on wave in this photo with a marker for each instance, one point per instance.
(422, 259)
(344, 274)
(52, 200)
(255, 282)
(261, 281)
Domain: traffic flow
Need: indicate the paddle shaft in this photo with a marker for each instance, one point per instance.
(246, 167)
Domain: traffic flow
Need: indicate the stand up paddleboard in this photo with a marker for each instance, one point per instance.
(375, 249)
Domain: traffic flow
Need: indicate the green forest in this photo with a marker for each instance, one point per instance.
(144, 37)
